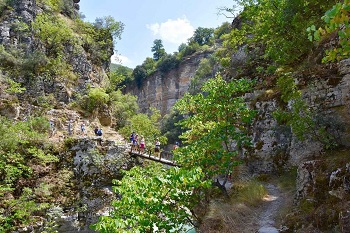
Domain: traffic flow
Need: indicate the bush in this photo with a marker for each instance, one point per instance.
(168, 63)
(97, 97)
(139, 74)
(123, 107)
(8, 59)
(54, 33)
(188, 50)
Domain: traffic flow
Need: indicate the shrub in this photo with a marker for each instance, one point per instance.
(123, 107)
(168, 63)
(53, 32)
(97, 97)
(188, 50)
(8, 59)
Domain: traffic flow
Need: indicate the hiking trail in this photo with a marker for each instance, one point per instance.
(267, 217)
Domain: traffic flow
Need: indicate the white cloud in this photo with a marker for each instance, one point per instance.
(173, 31)
(120, 59)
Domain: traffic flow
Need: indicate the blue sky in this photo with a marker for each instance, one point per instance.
(172, 21)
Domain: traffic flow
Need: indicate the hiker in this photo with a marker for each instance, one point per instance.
(157, 148)
(132, 137)
(142, 145)
(135, 141)
(70, 128)
(52, 128)
(96, 130)
(83, 130)
(176, 146)
(99, 132)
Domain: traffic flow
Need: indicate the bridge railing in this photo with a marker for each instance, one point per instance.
(150, 151)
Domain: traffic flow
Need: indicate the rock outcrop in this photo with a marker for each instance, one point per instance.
(275, 146)
(96, 164)
(87, 73)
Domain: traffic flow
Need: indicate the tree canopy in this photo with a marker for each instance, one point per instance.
(154, 199)
(217, 123)
(158, 49)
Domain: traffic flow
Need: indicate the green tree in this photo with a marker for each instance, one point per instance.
(217, 123)
(147, 126)
(139, 74)
(202, 36)
(158, 49)
(225, 28)
(182, 47)
(17, 157)
(115, 28)
(123, 107)
(149, 65)
(169, 127)
(119, 76)
(54, 32)
(96, 98)
(275, 30)
(154, 199)
(167, 63)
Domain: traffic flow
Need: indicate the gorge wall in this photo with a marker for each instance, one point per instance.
(323, 179)
(162, 90)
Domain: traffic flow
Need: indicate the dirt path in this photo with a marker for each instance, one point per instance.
(273, 202)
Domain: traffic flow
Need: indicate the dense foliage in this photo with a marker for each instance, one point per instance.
(218, 122)
(274, 30)
(146, 126)
(154, 199)
(337, 21)
(215, 129)
(24, 157)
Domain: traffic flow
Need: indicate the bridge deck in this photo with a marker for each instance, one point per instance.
(153, 158)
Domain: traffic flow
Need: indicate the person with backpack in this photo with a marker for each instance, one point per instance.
(131, 138)
(176, 146)
(135, 142)
(157, 148)
(99, 132)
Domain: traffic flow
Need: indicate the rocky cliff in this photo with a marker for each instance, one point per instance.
(328, 99)
(38, 80)
(162, 90)
(25, 57)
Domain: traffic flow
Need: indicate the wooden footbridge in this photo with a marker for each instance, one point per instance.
(159, 159)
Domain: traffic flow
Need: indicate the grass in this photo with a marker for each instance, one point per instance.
(239, 214)
(250, 193)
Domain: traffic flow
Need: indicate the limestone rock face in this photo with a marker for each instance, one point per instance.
(162, 90)
(105, 116)
(96, 163)
(275, 147)
(306, 181)
(327, 190)
(87, 73)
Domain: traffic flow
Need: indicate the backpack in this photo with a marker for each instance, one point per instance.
(99, 132)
